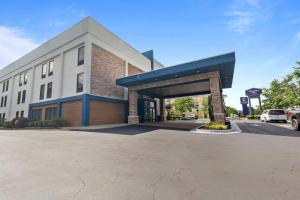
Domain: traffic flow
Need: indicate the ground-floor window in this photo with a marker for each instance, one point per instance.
(36, 114)
(50, 113)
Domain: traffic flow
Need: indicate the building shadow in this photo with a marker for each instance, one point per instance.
(132, 129)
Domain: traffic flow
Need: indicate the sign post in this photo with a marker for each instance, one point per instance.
(254, 93)
(244, 102)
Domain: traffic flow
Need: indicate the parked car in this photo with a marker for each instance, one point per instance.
(273, 115)
(293, 115)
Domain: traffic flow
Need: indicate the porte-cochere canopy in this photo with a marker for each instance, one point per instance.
(206, 76)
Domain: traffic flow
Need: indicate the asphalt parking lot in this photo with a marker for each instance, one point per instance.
(153, 164)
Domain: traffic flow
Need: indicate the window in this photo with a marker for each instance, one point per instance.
(22, 113)
(80, 56)
(19, 98)
(17, 114)
(44, 70)
(42, 92)
(3, 115)
(0, 115)
(21, 80)
(25, 78)
(3, 86)
(79, 87)
(2, 101)
(49, 90)
(50, 70)
(5, 101)
(23, 96)
(36, 114)
(7, 83)
(50, 113)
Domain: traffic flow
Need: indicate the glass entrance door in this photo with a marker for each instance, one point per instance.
(149, 111)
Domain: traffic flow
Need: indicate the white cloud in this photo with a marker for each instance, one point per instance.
(13, 45)
(243, 14)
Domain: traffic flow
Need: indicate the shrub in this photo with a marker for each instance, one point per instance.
(20, 122)
(215, 126)
(7, 124)
(59, 122)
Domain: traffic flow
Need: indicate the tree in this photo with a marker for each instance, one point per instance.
(184, 104)
(283, 93)
(230, 110)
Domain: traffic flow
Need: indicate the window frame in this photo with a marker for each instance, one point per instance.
(17, 114)
(25, 78)
(42, 93)
(21, 77)
(50, 113)
(2, 101)
(79, 60)
(3, 86)
(78, 90)
(50, 70)
(19, 97)
(5, 101)
(23, 96)
(7, 85)
(49, 90)
(22, 113)
(44, 70)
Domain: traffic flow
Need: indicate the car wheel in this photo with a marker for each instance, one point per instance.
(295, 125)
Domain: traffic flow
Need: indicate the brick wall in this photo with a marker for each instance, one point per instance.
(132, 70)
(106, 113)
(71, 111)
(106, 68)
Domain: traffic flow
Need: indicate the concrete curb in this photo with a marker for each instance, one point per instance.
(234, 130)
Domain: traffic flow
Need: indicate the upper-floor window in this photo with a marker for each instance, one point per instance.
(23, 96)
(80, 56)
(51, 66)
(25, 78)
(7, 83)
(49, 90)
(79, 86)
(3, 86)
(5, 101)
(21, 80)
(19, 97)
(2, 101)
(44, 70)
(42, 92)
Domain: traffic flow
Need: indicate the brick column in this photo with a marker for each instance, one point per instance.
(217, 99)
(133, 117)
(162, 109)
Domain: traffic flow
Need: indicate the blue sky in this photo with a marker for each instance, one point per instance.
(265, 34)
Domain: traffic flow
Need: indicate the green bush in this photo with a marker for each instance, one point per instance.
(54, 123)
(7, 124)
(20, 122)
(257, 117)
(215, 126)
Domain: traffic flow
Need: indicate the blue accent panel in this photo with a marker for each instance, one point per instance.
(150, 56)
(245, 109)
(55, 101)
(58, 110)
(223, 63)
(106, 99)
(30, 112)
(85, 117)
(126, 111)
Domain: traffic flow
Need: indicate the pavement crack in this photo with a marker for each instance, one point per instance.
(154, 185)
(83, 186)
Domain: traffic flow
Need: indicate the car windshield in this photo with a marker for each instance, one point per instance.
(276, 112)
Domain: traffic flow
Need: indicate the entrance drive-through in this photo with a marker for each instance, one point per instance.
(207, 76)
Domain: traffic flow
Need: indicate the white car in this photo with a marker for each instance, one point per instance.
(273, 115)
